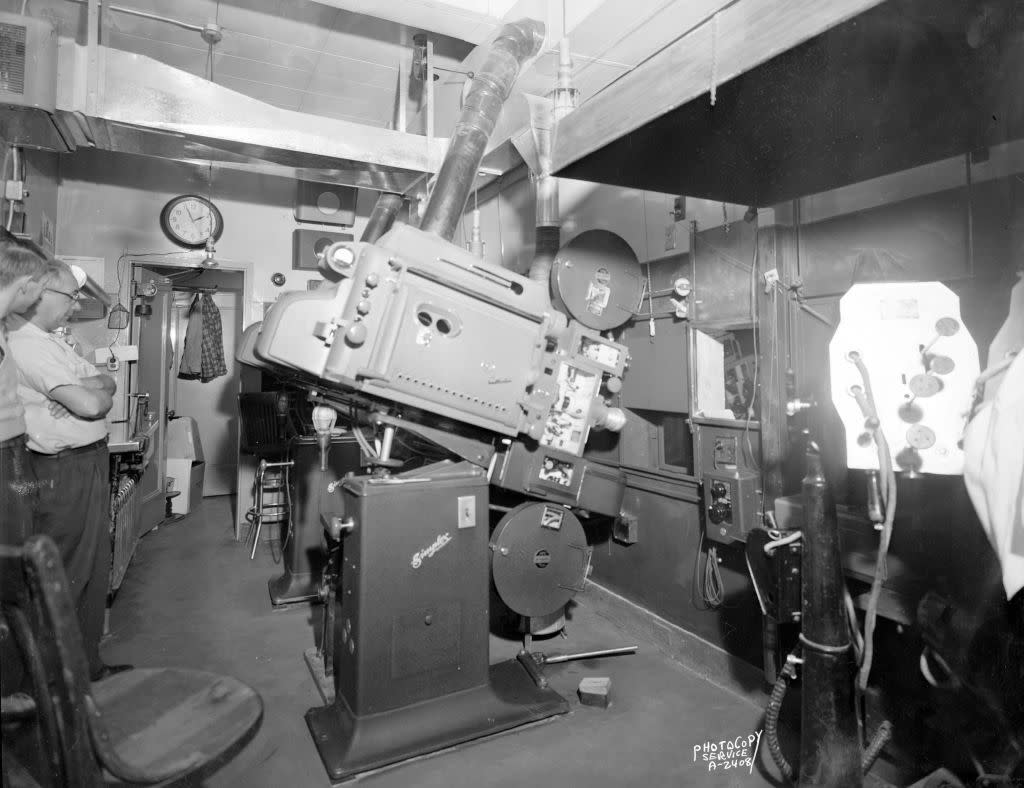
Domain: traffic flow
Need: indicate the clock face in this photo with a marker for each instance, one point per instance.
(190, 220)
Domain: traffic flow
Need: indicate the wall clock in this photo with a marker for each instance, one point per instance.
(189, 220)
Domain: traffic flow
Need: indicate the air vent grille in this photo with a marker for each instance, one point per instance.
(12, 58)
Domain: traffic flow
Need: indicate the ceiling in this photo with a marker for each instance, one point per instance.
(903, 84)
(293, 54)
(348, 60)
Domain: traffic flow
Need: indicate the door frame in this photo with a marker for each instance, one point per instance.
(185, 261)
(188, 260)
(177, 348)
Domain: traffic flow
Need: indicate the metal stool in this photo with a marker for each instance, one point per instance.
(266, 432)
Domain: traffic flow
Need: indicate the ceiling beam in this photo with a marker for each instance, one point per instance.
(740, 37)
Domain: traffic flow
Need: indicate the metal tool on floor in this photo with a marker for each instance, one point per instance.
(534, 661)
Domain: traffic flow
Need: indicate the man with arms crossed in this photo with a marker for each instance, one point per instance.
(65, 405)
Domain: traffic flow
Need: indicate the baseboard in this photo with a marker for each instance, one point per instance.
(707, 660)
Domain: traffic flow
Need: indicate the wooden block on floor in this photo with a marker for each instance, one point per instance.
(593, 691)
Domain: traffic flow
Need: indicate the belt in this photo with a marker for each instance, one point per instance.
(17, 440)
(102, 443)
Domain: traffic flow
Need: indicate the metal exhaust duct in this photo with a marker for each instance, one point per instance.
(516, 43)
(549, 236)
(382, 216)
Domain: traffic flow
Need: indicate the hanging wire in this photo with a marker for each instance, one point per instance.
(209, 171)
(631, 30)
(754, 333)
(501, 240)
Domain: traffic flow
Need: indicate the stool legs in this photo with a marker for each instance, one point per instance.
(260, 507)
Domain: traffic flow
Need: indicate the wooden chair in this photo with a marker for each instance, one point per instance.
(144, 726)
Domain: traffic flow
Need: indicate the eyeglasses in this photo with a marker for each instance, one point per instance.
(74, 295)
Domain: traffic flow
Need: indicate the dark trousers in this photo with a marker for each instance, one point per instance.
(74, 511)
(17, 492)
(18, 497)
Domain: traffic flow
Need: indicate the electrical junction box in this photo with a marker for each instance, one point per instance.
(731, 504)
(725, 444)
(28, 62)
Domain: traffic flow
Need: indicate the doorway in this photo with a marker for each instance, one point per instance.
(214, 403)
(211, 404)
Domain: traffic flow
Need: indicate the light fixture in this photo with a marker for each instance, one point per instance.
(324, 419)
(210, 252)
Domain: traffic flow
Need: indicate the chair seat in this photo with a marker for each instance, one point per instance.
(159, 719)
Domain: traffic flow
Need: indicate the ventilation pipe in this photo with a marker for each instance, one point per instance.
(549, 237)
(516, 43)
(382, 216)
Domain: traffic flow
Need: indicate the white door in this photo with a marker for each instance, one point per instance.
(214, 404)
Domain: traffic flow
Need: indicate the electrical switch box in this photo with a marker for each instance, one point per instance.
(731, 504)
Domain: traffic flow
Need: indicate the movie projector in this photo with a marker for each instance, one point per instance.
(421, 336)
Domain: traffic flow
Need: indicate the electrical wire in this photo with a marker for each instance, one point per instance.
(754, 384)
(663, 6)
(708, 580)
(771, 715)
(713, 589)
(501, 240)
(770, 547)
(364, 444)
(866, 401)
(143, 14)
(854, 627)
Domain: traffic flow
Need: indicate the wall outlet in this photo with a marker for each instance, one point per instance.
(120, 352)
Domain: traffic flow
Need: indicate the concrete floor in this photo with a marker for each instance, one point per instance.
(192, 598)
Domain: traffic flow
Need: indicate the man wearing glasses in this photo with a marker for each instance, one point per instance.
(65, 404)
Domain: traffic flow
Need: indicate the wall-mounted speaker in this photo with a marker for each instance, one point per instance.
(325, 203)
(307, 245)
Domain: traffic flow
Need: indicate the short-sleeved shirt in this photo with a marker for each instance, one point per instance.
(45, 362)
(12, 413)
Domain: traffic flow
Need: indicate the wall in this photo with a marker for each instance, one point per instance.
(109, 204)
(919, 219)
(660, 572)
(644, 219)
(41, 179)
